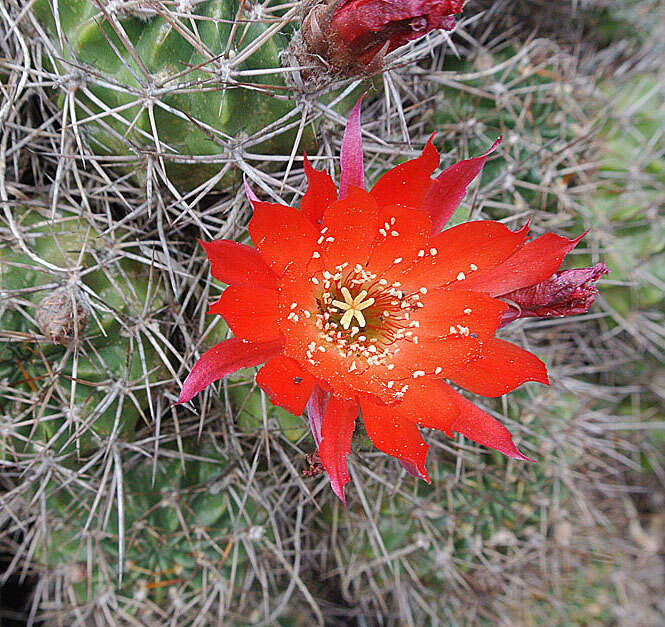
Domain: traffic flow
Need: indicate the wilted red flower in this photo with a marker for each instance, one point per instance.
(351, 34)
(359, 302)
(566, 293)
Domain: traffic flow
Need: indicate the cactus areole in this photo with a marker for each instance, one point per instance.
(359, 302)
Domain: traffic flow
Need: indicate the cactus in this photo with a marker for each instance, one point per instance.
(199, 86)
(532, 96)
(203, 85)
(474, 547)
(492, 540)
(189, 527)
(628, 202)
(72, 371)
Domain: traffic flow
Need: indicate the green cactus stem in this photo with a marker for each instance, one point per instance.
(71, 368)
(191, 90)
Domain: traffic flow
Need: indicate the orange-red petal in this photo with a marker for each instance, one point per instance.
(238, 264)
(500, 368)
(251, 314)
(406, 184)
(337, 428)
(536, 261)
(286, 384)
(223, 359)
(438, 357)
(321, 193)
(461, 251)
(429, 404)
(477, 425)
(447, 191)
(282, 235)
(347, 230)
(400, 234)
(456, 312)
(393, 434)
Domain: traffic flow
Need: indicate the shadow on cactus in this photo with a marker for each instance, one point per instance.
(155, 86)
(77, 316)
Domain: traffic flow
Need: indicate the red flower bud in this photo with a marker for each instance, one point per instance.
(353, 36)
(566, 293)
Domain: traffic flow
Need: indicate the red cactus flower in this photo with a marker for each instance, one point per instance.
(352, 34)
(359, 303)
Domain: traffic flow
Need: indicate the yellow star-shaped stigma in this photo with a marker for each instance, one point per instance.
(353, 307)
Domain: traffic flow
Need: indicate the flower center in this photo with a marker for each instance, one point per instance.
(363, 315)
(353, 307)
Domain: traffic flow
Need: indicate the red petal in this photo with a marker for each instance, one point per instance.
(477, 425)
(407, 183)
(238, 264)
(440, 358)
(321, 192)
(251, 314)
(336, 433)
(446, 193)
(429, 403)
(282, 234)
(402, 232)
(352, 172)
(395, 435)
(460, 249)
(223, 359)
(501, 367)
(286, 384)
(350, 224)
(536, 261)
(456, 312)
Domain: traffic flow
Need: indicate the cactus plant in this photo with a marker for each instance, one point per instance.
(628, 201)
(533, 97)
(203, 85)
(174, 88)
(492, 541)
(472, 549)
(72, 369)
(188, 527)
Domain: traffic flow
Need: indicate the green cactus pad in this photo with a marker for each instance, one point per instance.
(627, 205)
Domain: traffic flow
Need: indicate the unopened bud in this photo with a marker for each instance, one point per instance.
(351, 37)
